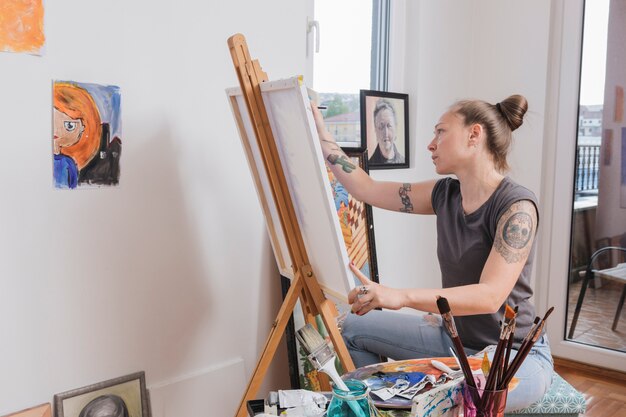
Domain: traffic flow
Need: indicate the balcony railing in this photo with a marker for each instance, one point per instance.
(587, 165)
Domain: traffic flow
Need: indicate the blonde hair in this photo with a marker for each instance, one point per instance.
(498, 120)
(77, 103)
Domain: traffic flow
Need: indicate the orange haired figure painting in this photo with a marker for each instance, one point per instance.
(85, 117)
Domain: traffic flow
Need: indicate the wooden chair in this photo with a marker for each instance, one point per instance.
(617, 273)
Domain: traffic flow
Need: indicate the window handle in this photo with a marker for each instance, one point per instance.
(314, 24)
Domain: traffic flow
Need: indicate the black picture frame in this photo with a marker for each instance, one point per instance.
(127, 391)
(392, 112)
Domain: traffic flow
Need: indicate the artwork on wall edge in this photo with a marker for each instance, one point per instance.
(87, 135)
(22, 26)
(623, 170)
(127, 394)
(619, 104)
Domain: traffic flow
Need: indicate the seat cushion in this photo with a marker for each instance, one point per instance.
(561, 400)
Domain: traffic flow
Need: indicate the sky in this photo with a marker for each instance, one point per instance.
(593, 69)
(343, 63)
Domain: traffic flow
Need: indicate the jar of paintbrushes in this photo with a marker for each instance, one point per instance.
(490, 399)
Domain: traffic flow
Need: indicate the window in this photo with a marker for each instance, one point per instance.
(598, 238)
(353, 56)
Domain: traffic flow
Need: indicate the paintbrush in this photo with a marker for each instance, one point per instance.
(509, 346)
(527, 344)
(448, 321)
(322, 357)
(505, 331)
(496, 363)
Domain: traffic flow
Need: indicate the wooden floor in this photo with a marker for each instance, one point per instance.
(596, 316)
(605, 391)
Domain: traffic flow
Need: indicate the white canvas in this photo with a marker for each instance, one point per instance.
(291, 120)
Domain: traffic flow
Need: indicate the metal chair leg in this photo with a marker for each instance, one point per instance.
(579, 304)
(619, 308)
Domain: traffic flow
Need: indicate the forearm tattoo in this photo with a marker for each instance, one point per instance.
(404, 197)
(343, 161)
(515, 232)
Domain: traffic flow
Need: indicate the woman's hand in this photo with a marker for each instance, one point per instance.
(319, 120)
(326, 139)
(371, 295)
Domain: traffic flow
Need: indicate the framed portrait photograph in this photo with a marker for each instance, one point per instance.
(125, 396)
(385, 128)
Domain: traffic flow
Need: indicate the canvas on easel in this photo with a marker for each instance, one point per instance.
(291, 120)
(282, 125)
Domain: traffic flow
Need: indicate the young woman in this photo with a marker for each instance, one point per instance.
(486, 225)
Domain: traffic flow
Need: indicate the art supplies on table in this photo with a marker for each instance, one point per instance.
(388, 373)
(321, 355)
(441, 401)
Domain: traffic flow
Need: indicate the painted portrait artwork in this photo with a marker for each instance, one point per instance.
(87, 134)
(21, 26)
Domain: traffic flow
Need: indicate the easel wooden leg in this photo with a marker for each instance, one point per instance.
(328, 311)
(271, 345)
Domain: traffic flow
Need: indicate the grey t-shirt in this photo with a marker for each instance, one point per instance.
(463, 245)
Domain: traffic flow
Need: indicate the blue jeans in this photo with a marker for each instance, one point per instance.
(401, 336)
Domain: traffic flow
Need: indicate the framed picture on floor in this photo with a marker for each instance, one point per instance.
(118, 397)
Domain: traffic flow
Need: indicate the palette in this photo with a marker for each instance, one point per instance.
(367, 373)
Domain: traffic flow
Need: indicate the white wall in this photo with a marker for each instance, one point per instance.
(485, 49)
(170, 273)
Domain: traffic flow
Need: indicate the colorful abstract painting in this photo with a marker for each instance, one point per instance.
(21, 26)
(356, 222)
(357, 227)
(87, 134)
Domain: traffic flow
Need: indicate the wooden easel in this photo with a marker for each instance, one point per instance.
(304, 283)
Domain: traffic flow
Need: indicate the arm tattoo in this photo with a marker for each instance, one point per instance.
(341, 160)
(515, 232)
(404, 197)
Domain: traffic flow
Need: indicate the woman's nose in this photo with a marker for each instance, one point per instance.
(431, 146)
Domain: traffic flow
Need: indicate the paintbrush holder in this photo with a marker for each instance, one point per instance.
(490, 403)
(355, 402)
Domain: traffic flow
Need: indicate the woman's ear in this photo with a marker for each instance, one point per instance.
(475, 134)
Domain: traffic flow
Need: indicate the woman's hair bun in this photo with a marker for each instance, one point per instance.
(513, 109)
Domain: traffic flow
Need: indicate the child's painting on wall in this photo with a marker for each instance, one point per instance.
(87, 134)
(21, 26)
